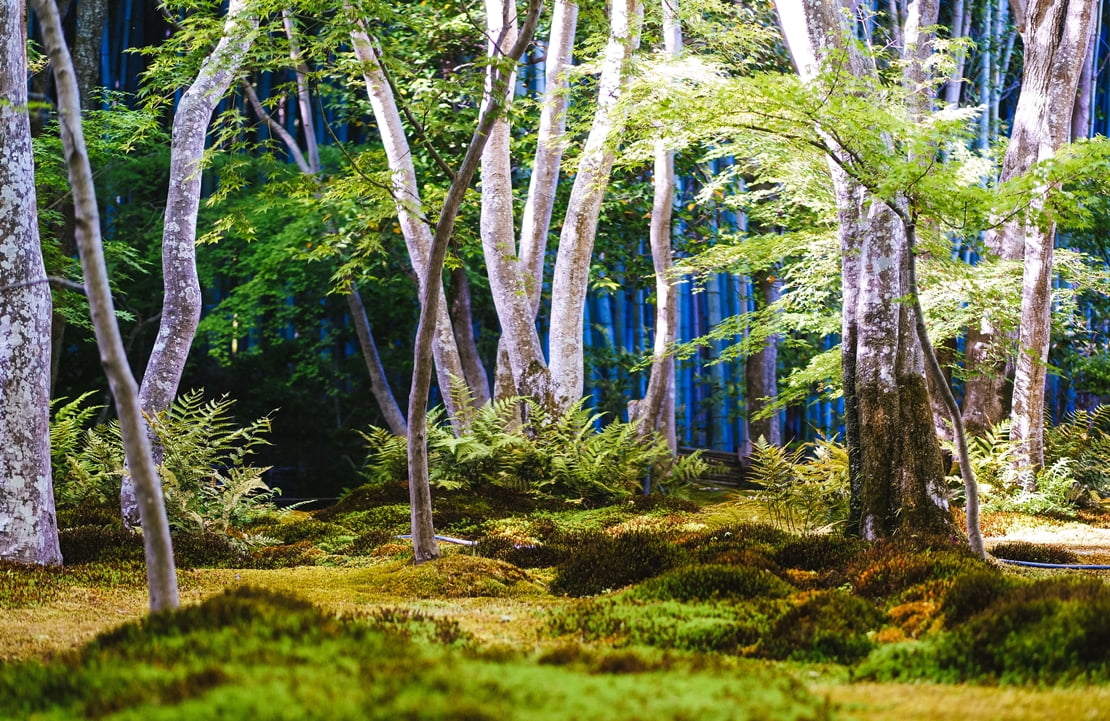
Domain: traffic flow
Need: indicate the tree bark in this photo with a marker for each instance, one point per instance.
(379, 382)
(1055, 35)
(462, 320)
(760, 373)
(182, 301)
(28, 525)
(158, 548)
(576, 241)
(510, 282)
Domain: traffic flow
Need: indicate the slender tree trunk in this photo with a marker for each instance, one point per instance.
(182, 302)
(410, 211)
(654, 410)
(576, 241)
(28, 526)
(423, 533)
(760, 373)
(1055, 36)
(462, 320)
(161, 574)
(379, 382)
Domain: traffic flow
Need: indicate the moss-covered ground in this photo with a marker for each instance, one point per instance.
(653, 610)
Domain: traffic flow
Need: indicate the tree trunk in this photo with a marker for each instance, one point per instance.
(898, 480)
(182, 302)
(28, 526)
(656, 410)
(576, 241)
(462, 320)
(1055, 35)
(410, 211)
(379, 382)
(158, 548)
(510, 283)
(423, 534)
(760, 373)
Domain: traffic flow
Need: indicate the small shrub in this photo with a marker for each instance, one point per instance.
(599, 562)
(827, 626)
(712, 582)
(1034, 552)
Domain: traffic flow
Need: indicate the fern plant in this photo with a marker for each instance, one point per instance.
(804, 489)
(516, 443)
(1084, 438)
(208, 484)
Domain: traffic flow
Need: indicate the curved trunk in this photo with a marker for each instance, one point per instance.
(576, 241)
(182, 302)
(410, 213)
(28, 526)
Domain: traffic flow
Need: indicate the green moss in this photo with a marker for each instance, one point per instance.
(251, 654)
(459, 576)
(827, 626)
(1035, 552)
(85, 544)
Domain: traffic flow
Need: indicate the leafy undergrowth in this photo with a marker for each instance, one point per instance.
(260, 655)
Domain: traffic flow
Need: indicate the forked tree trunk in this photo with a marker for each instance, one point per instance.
(424, 545)
(576, 241)
(1055, 34)
(182, 301)
(158, 548)
(508, 277)
(28, 526)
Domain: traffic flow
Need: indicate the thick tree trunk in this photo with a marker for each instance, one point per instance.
(161, 574)
(410, 211)
(895, 462)
(28, 526)
(510, 282)
(576, 241)
(182, 302)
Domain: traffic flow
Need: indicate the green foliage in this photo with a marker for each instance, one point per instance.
(563, 455)
(206, 481)
(600, 562)
(1084, 439)
(891, 569)
(805, 489)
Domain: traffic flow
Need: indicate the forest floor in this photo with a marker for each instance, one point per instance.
(75, 613)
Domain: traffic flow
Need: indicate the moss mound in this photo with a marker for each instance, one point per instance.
(461, 576)
(712, 582)
(598, 561)
(827, 626)
(1034, 552)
